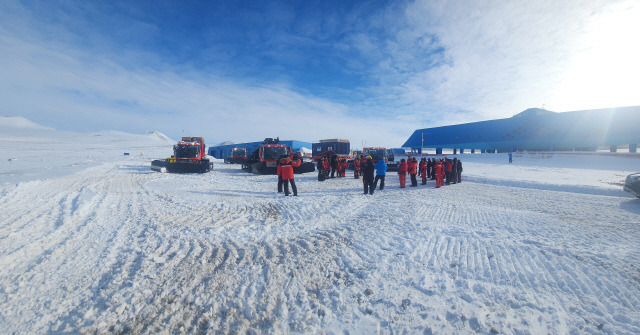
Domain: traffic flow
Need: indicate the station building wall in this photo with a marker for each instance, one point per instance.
(537, 130)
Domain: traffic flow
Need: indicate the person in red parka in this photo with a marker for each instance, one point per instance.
(412, 167)
(327, 167)
(402, 172)
(285, 170)
(363, 161)
(356, 168)
(280, 181)
(447, 170)
(342, 167)
(439, 172)
(423, 170)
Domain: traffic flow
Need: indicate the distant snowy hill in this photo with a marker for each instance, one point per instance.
(19, 122)
(226, 143)
(161, 136)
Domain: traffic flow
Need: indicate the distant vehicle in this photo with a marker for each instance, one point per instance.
(632, 184)
(238, 156)
(189, 156)
(382, 153)
(264, 160)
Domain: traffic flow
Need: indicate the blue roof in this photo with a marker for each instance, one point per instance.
(537, 129)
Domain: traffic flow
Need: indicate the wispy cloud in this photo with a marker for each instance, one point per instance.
(504, 57)
(363, 71)
(65, 88)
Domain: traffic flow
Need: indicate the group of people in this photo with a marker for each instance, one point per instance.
(331, 167)
(441, 170)
(371, 174)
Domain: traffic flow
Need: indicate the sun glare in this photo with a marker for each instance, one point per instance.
(605, 72)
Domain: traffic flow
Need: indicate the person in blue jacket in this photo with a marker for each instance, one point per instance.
(381, 172)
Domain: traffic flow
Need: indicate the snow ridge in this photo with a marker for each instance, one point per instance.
(19, 122)
(160, 136)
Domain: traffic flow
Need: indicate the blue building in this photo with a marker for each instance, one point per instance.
(537, 130)
(224, 151)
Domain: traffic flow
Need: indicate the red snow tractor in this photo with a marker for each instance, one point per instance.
(264, 160)
(189, 156)
(238, 156)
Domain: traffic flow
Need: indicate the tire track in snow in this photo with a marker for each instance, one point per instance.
(298, 265)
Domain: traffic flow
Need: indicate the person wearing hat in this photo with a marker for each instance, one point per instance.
(439, 173)
(447, 170)
(367, 176)
(320, 167)
(402, 173)
(285, 170)
(423, 170)
(413, 171)
(363, 161)
(381, 172)
(342, 167)
(334, 165)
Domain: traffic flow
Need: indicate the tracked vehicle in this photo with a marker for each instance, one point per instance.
(264, 160)
(238, 156)
(189, 156)
(382, 153)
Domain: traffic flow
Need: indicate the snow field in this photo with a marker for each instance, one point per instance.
(117, 248)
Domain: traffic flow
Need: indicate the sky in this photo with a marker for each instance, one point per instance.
(368, 71)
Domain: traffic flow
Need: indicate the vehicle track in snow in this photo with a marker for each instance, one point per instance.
(222, 252)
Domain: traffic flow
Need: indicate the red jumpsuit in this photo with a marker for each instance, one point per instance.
(439, 170)
(356, 168)
(423, 171)
(402, 174)
(363, 161)
(342, 166)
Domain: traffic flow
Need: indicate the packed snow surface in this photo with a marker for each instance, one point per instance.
(92, 240)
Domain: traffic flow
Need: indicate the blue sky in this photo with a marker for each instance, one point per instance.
(371, 72)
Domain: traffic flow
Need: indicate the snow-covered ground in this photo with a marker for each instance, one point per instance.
(93, 241)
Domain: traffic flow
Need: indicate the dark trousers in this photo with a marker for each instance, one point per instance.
(333, 171)
(379, 177)
(368, 186)
(293, 187)
(280, 182)
(414, 180)
(447, 175)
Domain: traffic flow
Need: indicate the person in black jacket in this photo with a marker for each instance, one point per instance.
(334, 165)
(320, 167)
(368, 176)
(459, 171)
(433, 169)
(454, 170)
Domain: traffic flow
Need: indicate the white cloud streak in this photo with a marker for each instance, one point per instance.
(437, 63)
(504, 57)
(67, 89)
